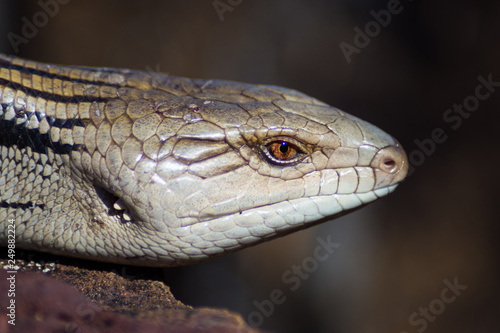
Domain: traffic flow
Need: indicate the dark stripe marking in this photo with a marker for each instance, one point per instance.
(12, 134)
(23, 206)
(4, 63)
(51, 97)
(59, 76)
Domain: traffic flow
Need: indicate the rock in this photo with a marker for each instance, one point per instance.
(69, 298)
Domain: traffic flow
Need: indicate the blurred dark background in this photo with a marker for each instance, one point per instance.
(394, 255)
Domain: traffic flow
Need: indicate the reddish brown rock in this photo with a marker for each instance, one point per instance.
(91, 300)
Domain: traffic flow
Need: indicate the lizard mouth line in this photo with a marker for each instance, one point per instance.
(273, 217)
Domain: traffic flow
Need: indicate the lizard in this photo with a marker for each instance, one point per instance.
(148, 169)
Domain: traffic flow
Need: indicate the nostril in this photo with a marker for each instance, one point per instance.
(388, 164)
(390, 159)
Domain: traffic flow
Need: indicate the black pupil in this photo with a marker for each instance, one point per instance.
(284, 147)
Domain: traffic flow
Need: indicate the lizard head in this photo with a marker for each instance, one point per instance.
(224, 165)
(147, 169)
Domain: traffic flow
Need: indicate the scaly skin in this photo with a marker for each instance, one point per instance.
(147, 169)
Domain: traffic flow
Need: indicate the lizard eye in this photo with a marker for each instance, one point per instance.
(283, 151)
